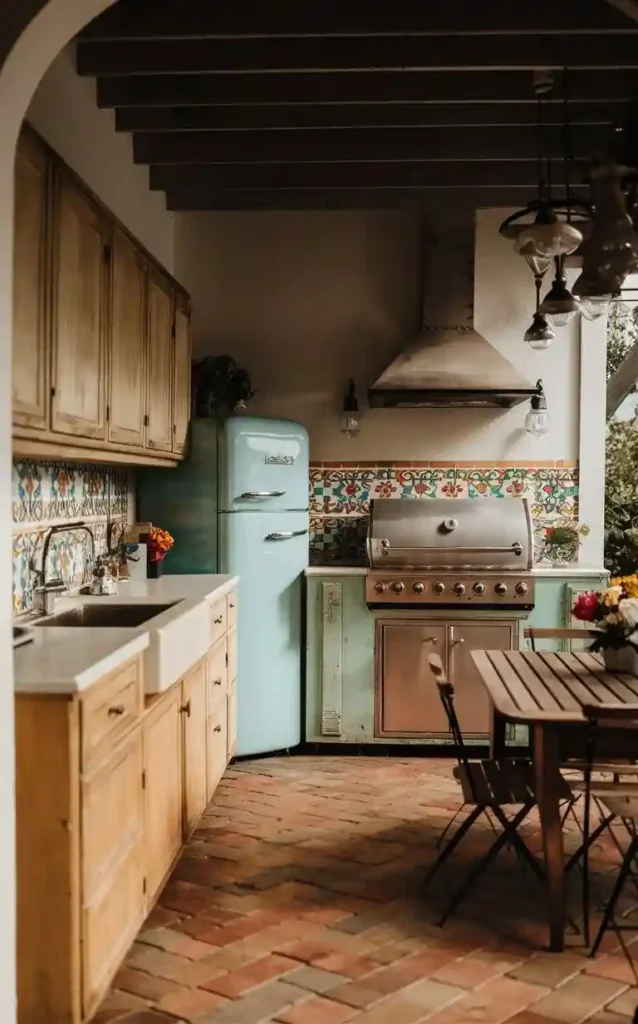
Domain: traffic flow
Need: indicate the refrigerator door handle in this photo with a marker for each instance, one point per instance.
(261, 494)
(286, 535)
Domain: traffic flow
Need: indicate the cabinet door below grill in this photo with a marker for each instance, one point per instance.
(473, 705)
(408, 702)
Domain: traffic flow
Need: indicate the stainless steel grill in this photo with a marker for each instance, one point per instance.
(441, 552)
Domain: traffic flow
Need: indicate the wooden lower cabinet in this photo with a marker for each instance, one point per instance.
(195, 718)
(163, 788)
(407, 699)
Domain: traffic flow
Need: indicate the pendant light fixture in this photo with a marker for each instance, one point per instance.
(559, 303)
(537, 421)
(540, 334)
(351, 418)
(611, 251)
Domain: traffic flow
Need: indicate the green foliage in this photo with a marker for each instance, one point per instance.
(621, 474)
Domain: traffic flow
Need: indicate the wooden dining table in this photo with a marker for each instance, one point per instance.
(547, 691)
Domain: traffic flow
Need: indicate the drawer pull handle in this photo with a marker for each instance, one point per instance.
(217, 682)
(217, 728)
(186, 709)
(219, 621)
(430, 640)
(119, 709)
(459, 640)
(230, 605)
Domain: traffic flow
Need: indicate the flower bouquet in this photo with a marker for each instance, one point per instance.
(560, 544)
(614, 615)
(158, 543)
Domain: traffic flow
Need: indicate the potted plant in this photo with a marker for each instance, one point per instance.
(614, 615)
(158, 543)
(561, 542)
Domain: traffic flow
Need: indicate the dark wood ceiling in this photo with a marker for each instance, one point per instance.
(276, 104)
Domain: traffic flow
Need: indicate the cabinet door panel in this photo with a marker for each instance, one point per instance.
(217, 736)
(127, 385)
(195, 743)
(182, 377)
(473, 705)
(163, 794)
(408, 702)
(31, 351)
(80, 315)
(159, 360)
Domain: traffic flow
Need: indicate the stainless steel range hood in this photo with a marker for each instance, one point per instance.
(450, 367)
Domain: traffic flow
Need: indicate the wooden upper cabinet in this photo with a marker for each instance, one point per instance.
(127, 384)
(30, 288)
(182, 375)
(80, 314)
(159, 360)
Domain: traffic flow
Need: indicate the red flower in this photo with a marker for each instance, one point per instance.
(585, 607)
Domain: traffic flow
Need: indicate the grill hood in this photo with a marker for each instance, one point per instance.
(450, 367)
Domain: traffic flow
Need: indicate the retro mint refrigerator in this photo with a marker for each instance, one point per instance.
(240, 506)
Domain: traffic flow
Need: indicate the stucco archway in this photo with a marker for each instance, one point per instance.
(31, 46)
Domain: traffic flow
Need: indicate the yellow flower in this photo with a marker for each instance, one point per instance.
(613, 619)
(611, 597)
(628, 583)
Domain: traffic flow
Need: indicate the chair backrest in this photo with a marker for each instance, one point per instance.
(607, 717)
(534, 633)
(446, 693)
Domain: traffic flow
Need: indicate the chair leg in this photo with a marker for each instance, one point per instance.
(462, 830)
(448, 827)
(608, 917)
(485, 861)
(575, 857)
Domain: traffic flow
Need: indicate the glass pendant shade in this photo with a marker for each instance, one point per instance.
(611, 251)
(540, 334)
(351, 418)
(537, 421)
(544, 241)
(592, 308)
(539, 265)
(559, 303)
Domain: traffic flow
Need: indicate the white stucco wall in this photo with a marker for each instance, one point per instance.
(65, 113)
(306, 300)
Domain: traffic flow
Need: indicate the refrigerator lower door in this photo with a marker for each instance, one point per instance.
(269, 552)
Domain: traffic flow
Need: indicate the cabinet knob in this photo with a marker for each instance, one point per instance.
(459, 640)
(217, 728)
(230, 604)
(118, 709)
(217, 682)
(430, 640)
(219, 621)
(186, 709)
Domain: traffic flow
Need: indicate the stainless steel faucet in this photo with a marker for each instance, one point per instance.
(45, 591)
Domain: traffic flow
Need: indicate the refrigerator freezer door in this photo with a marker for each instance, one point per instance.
(269, 552)
(263, 465)
(184, 502)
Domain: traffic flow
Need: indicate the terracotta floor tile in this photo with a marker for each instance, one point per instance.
(235, 983)
(317, 1010)
(548, 969)
(626, 1004)
(616, 967)
(191, 1004)
(578, 998)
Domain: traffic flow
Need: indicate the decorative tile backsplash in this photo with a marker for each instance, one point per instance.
(49, 493)
(340, 495)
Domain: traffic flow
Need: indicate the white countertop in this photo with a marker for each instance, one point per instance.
(538, 570)
(68, 659)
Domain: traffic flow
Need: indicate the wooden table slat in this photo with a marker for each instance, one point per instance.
(554, 694)
(496, 689)
(575, 684)
(591, 670)
(515, 683)
(595, 664)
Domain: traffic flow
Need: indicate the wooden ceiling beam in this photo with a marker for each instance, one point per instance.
(592, 87)
(629, 8)
(265, 117)
(173, 19)
(343, 54)
(466, 174)
(200, 200)
(400, 144)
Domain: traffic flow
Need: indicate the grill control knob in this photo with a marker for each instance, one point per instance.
(501, 589)
(379, 587)
(398, 587)
(478, 588)
(459, 589)
(418, 588)
(439, 588)
(521, 588)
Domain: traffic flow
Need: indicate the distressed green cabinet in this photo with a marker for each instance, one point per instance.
(342, 703)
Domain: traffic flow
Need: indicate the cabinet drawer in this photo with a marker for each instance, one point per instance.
(231, 609)
(108, 710)
(112, 813)
(217, 673)
(217, 737)
(218, 620)
(232, 657)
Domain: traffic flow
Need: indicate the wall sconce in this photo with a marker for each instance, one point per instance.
(537, 421)
(351, 418)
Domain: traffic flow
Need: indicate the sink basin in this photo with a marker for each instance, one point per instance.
(107, 615)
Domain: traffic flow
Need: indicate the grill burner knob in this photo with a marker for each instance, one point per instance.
(398, 587)
(439, 588)
(501, 589)
(478, 588)
(379, 587)
(418, 588)
(459, 589)
(521, 588)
